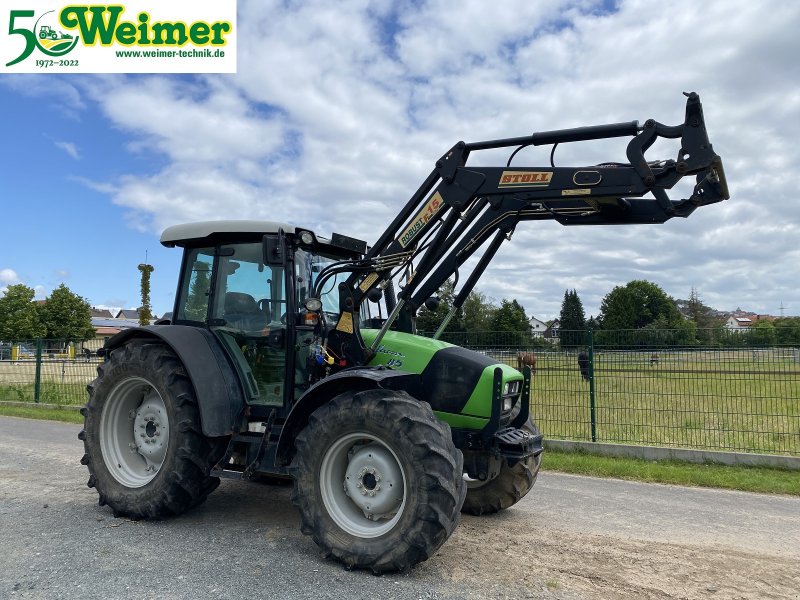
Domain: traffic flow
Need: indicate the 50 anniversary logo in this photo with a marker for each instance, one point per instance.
(120, 38)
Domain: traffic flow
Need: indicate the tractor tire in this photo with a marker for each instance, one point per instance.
(377, 480)
(145, 450)
(505, 490)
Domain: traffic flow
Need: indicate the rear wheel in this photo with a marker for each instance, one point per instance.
(377, 480)
(505, 490)
(146, 454)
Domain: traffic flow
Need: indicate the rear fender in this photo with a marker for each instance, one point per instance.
(356, 379)
(217, 387)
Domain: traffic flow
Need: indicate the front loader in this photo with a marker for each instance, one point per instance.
(272, 364)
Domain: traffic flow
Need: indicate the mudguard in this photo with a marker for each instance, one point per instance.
(355, 379)
(219, 394)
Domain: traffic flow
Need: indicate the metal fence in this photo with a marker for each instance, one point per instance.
(46, 371)
(743, 399)
(634, 390)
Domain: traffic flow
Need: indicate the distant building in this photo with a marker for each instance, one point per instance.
(105, 328)
(128, 313)
(131, 314)
(537, 327)
(738, 323)
(101, 313)
(551, 333)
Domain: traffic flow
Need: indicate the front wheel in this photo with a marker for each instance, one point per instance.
(508, 488)
(377, 480)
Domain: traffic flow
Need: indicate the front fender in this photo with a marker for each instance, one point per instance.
(219, 393)
(356, 379)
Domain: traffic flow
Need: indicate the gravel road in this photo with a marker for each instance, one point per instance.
(572, 537)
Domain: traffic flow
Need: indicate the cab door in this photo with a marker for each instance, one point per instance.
(248, 314)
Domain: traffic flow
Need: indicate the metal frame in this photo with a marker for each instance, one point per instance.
(457, 209)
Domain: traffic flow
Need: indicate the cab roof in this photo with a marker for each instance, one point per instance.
(191, 233)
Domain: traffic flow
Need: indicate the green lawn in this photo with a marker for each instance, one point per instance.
(691, 400)
(65, 415)
(749, 479)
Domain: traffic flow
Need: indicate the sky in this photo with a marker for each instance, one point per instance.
(339, 110)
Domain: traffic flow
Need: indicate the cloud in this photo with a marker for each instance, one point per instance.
(65, 93)
(69, 148)
(7, 277)
(334, 125)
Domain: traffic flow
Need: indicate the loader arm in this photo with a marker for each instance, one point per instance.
(458, 208)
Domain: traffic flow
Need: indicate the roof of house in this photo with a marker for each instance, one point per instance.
(103, 313)
(115, 323)
(128, 313)
(107, 330)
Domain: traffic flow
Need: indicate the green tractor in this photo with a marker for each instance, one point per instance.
(273, 363)
(45, 32)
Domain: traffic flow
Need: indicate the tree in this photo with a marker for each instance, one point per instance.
(428, 321)
(640, 314)
(197, 302)
(708, 327)
(67, 316)
(145, 312)
(478, 314)
(19, 316)
(510, 316)
(638, 304)
(761, 334)
(573, 322)
(787, 331)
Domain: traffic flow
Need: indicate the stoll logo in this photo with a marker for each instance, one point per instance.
(141, 36)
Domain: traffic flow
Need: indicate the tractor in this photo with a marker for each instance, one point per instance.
(45, 31)
(278, 360)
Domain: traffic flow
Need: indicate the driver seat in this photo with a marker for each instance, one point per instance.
(242, 312)
(240, 303)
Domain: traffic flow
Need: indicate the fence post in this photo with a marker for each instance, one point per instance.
(592, 414)
(38, 379)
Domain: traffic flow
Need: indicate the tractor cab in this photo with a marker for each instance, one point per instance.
(247, 281)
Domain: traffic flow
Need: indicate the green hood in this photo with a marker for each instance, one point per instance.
(457, 382)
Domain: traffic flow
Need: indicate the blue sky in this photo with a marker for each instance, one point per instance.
(339, 110)
(57, 228)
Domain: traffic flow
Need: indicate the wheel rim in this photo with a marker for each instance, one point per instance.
(134, 432)
(363, 485)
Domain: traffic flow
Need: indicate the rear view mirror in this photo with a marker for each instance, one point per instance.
(275, 253)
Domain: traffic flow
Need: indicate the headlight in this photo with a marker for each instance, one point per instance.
(507, 404)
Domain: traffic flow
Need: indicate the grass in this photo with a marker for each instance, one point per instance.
(49, 393)
(749, 479)
(732, 400)
(65, 415)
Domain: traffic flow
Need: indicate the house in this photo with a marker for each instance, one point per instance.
(738, 324)
(551, 333)
(101, 313)
(537, 327)
(105, 328)
(132, 314)
(128, 313)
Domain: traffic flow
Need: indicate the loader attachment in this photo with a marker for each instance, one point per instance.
(458, 209)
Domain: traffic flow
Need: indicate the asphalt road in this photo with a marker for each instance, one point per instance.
(572, 537)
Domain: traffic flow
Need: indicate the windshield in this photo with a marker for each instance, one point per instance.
(309, 266)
